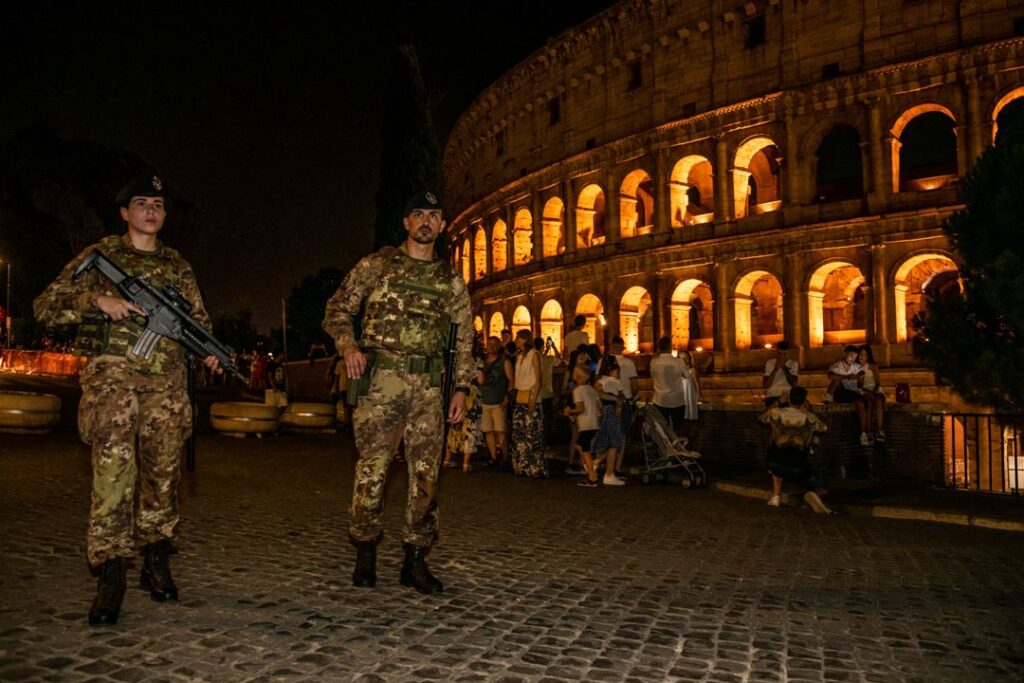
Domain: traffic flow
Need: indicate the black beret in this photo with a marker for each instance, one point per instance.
(423, 200)
(145, 186)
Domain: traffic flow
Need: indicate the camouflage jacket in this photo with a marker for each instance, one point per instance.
(73, 302)
(408, 304)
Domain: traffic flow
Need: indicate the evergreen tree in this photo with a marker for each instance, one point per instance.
(306, 311)
(975, 341)
(409, 147)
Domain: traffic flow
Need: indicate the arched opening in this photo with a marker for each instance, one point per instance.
(693, 316)
(497, 325)
(521, 319)
(499, 245)
(924, 149)
(837, 305)
(636, 204)
(551, 323)
(636, 325)
(554, 219)
(919, 278)
(758, 310)
(480, 254)
(464, 257)
(692, 191)
(478, 324)
(523, 237)
(590, 307)
(590, 217)
(1008, 117)
(756, 178)
(839, 169)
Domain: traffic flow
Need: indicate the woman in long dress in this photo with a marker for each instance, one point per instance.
(691, 387)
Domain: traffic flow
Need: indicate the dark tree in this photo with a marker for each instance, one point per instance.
(236, 330)
(305, 309)
(975, 341)
(410, 153)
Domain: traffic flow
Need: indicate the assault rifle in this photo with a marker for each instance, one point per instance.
(448, 386)
(167, 314)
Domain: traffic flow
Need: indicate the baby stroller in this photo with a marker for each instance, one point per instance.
(664, 451)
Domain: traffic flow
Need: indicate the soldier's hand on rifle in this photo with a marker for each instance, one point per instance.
(457, 409)
(355, 362)
(212, 363)
(116, 308)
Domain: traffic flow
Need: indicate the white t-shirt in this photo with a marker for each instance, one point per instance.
(573, 341)
(627, 372)
(780, 384)
(668, 373)
(611, 385)
(586, 396)
(848, 372)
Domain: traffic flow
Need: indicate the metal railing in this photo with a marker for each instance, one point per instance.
(982, 452)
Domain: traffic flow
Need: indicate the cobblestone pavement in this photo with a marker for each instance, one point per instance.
(545, 581)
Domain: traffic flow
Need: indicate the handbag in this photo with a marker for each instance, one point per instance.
(523, 397)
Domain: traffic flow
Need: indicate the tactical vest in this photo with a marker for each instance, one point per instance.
(406, 312)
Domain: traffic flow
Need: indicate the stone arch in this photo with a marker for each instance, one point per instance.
(499, 245)
(465, 258)
(692, 315)
(1009, 111)
(497, 325)
(479, 253)
(553, 222)
(924, 149)
(756, 177)
(636, 204)
(478, 324)
(590, 229)
(522, 236)
(692, 191)
(838, 168)
(758, 309)
(636, 320)
(915, 278)
(591, 308)
(521, 320)
(836, 304)
(551, 322)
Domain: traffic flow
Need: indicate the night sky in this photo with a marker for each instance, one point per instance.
(266, 116)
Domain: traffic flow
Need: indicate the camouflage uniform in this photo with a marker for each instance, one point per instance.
(128, 399)
(409, 304)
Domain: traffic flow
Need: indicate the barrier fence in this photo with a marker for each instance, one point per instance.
(982, 452)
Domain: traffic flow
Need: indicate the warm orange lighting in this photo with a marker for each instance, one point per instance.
(767, 346)
(700, 349)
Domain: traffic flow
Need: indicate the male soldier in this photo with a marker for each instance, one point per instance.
(128, 398)
(410, 297)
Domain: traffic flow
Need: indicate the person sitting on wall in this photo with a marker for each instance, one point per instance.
(845, 385)
(781, 374)
(793, 430)
(873, 394)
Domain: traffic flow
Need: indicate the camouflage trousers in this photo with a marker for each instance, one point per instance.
(136, 425)
(398, 405)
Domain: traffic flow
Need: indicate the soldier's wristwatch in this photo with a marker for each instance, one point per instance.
(464, 390)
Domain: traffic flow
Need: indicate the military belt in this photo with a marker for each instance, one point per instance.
(414, 365)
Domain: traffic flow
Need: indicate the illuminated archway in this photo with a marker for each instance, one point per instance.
(464, 257)
(478, 324)
(497, 325)
(924, 149)
(918, 277)
(758, 309)
(635, 321)
(590, 217)
(521, 320)
(836, 305)
(523, 237)
(551, 322)
(479, 253)
(636, 204)
(499, 245)
(838, 168)
(693, 316)
(692, 191)
(591, 308)
(1008, 113)
(756, 177)
(554, 218)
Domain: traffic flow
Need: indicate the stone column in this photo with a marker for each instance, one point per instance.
(975, 122)
(569, 197)
(612, 227)
(661, 324)
(740, 179)
(680, 200)
(793, 311)
(880, 168)
(792, 168)
(537, 210)
(725, 315)
(510, 238)
(881, 305)
(963, 154)
(611, 315)
(723, 194)
(488, 240)
(662, 200)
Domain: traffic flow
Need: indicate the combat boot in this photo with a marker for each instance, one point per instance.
(156, 571)
(365, 573)
(416, 573)
(109, 592)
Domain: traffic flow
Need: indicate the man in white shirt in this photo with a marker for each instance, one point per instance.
(780, 375)
(667, 373)
(576, 337)
(844, 386)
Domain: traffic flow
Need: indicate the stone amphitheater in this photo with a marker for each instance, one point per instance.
(733, 174)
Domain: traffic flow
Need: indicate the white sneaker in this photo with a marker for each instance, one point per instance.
(612, 480)
(865, 440)
(812, 499)
(880, 436)
(774, 502)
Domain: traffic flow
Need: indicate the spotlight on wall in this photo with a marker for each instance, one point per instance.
(699, 349)
(767, 346)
